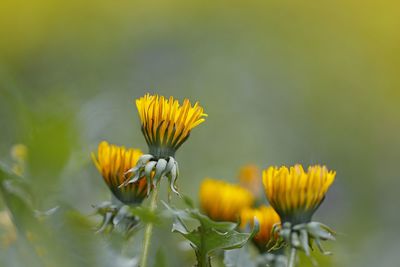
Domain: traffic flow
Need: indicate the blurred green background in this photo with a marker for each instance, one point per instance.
(282, 81)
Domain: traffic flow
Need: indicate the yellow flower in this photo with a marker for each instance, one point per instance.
(266, 217)
(166, 124)
(250, 178)
(113, 162)
(222, 201)
(294, 193)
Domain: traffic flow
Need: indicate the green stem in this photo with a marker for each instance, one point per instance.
(292, 257)
(204, 260)
(149, 230)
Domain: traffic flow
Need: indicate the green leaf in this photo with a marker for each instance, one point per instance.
(210, 235)
(207, 223)
(223, 240)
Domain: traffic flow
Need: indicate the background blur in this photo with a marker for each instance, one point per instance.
(282, 82)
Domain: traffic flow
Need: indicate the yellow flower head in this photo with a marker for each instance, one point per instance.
(166, 124)
(294, 193)
(266, 217)
(222, 201)
(250, 178)
(113, 162)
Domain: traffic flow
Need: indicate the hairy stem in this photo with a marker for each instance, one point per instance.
(149, 230)
(292, 257)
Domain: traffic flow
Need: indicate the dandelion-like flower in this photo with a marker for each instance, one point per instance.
(222, 201)
(296, 195)
(113, 162)
(166, 125)
(266, 217)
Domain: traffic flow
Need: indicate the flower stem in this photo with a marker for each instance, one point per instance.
(292, 257)
(149, 229)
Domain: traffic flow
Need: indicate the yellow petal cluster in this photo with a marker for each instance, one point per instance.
(222, 201)
(113, 162)
(166, 123)
(266, 217)
(294, 193)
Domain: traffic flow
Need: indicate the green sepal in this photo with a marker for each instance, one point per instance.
(302, 236)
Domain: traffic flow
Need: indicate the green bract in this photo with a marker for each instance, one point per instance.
(302, 236)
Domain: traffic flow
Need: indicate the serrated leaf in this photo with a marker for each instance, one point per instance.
(210, 235)
(207, 223)
(227, 240)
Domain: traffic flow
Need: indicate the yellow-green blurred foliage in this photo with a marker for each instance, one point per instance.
(282, 81)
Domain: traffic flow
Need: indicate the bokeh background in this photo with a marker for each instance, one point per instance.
(282, 81)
